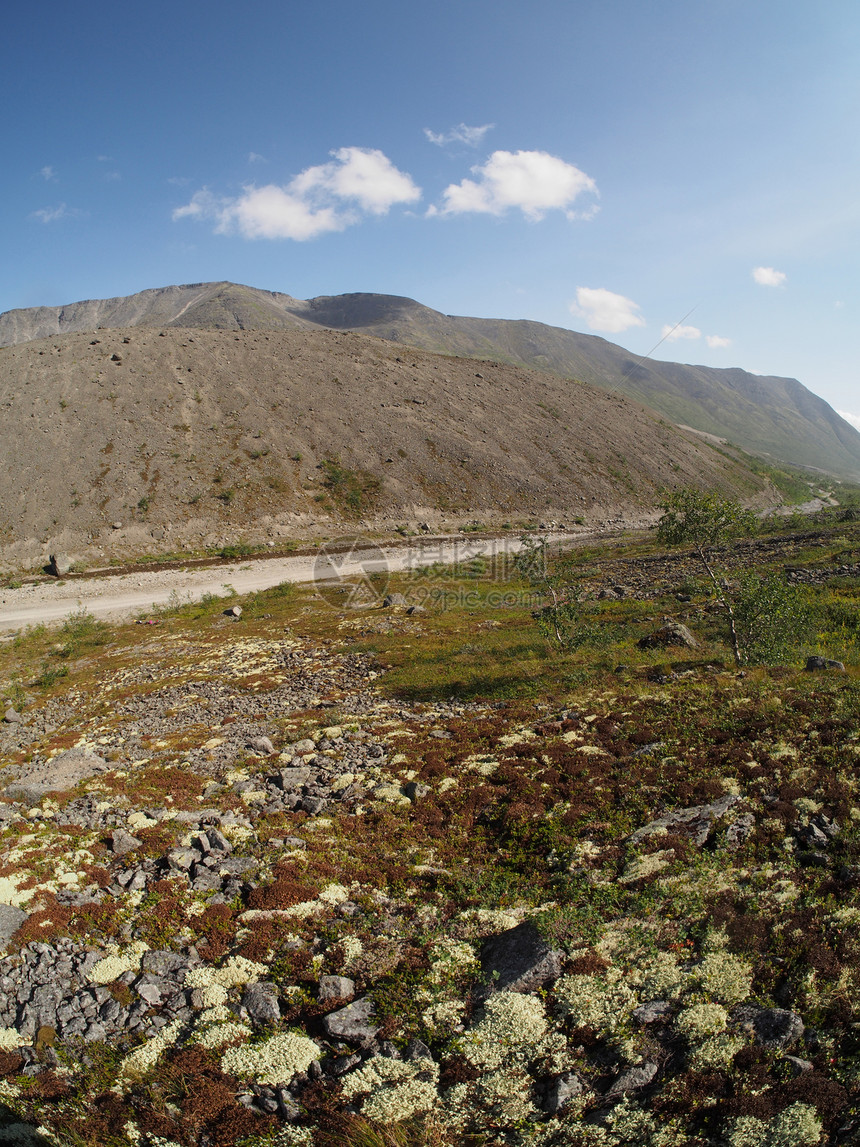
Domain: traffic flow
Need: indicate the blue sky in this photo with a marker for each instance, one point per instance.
(615, 166)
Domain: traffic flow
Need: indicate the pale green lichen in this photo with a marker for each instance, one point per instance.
(702, 1020)
(145, 1057)
(10, 1039)
(724, 976)
(510, 1028)
(643, 866)
(603, 1003)
(274, 1062)
(717, 1051)
(116, 963)
(394, 1089)
(236, 970)
(797, 1126)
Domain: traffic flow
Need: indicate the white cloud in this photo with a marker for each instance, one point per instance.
(48, 174)
(327, 197)
(462, 133)
(672, 334)
(854, 419)
(768, 277)
(533, 181)
(715, 342)
(605, 311)
(255, 157)
(52, 214)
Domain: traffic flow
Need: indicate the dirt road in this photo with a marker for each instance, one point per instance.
(123, 595)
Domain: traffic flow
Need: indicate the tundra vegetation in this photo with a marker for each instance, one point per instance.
(376, 877)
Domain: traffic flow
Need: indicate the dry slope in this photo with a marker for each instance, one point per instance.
(181, 436)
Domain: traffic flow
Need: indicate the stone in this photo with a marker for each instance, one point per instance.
(12, 717)
(59, 774)
(59, 564)
(417, 1049)
(772, 1028)
(655, 1012)
(559, 1092)
(183, 858)
(415, 790)
(396, 600)
(260, 1001)
(739, 831)
(218, 842)
(336, 988)
(233, 611)
(352, 1023)
(814, 664)
(633, 1078)
(669, 633)
(798, 1066)
(519, 960)
(344, 1063)
(697, 821)
(122, 842)
(11, 919)
(261, 745)
(291, 779)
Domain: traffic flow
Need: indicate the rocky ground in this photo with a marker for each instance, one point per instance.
(253, 891)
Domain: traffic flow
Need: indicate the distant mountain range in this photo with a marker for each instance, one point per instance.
(775, 418)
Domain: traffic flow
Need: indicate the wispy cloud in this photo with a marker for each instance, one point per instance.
(255, 157)
(48, 174)
(768, 277)
(672, 334)
(532, 181)
(327, 197)
(605, 310)
(53, 214)
(854, 419)
(113, 176)
(462, 133)
(716, 342)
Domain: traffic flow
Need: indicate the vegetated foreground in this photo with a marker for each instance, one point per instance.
(313, 876)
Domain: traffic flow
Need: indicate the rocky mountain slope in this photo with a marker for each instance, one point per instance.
(777, 418)
(160, 437)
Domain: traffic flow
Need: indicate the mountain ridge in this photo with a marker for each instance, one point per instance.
(776, 418)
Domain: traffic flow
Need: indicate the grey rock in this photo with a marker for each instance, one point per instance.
(352, 1023)
(262, 745)
(59, 564)
(149, 992)
(417, 1049)
(233, 611)
(798, 1066)
(655, 1012)
(59, 774)
(218, 842)
(336, 988)
(291, 779)
(12, 716)
(11, 919)
(560, 1091)
(519, 960)
(122, 842)
(344, 1063)
(313, 805)
(395, 600)
(669, 633)
(183, 858)
(772, 1028)
(633, 1078)
(739, 831)
(697, 821)
(260, 1000)
(415, 791)
(814, 664)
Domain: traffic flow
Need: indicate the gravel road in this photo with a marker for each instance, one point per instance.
(123, 595)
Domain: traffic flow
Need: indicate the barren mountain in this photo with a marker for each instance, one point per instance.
(776, 418)
(141, 438)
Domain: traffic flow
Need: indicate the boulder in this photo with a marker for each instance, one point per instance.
(336, 988)
(352, 1023)
(772, 1028)
(260, 1001)
(59, 774)
(669, 633)
(122, 842)
(11, 919)
(633, 1078)
(696, 821)
(814, 664)
(59, 564)
(519, 960)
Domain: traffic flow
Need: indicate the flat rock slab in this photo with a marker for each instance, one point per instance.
(519, 960)
(696, 821)
(771, 1027)
(352, 1023)
(11, 919)
(59, 774)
